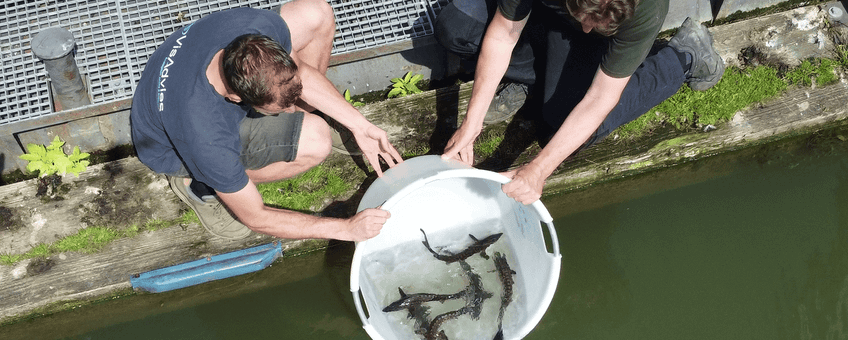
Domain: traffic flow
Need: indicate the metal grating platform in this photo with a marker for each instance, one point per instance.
(114, 39)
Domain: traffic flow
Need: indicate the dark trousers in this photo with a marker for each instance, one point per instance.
(564, 60)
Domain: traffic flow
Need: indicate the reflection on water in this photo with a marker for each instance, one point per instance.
(751, 245)
(746, 246)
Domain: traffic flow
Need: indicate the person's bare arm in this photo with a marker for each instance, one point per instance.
(321, 94)
(495, 52)
(603, 95)
(249, 208)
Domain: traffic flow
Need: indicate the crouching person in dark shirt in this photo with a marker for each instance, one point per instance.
(595, 71)
(224, 103)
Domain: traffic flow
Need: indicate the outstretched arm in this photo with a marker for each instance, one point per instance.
(603, 95)
(501, 36)
(312, 27)
(247, 205)
(320, 93)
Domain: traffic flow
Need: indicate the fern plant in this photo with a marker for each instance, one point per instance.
(405, 86)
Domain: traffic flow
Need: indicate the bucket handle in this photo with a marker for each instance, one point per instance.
(538, 206)
(357, 301)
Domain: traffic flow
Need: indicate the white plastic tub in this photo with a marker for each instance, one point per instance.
(445, 199)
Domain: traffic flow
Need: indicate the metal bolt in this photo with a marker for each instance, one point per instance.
(836, 13)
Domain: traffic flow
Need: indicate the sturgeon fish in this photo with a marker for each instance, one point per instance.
(408, 301)
(505, 274)
(479, 246)
(414, 305)
(434, 332)
(421, 315)
(475, 294)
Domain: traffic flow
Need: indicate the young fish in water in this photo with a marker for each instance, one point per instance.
(475, 295)
(479, 246)
(505, 274)
(408, 301)
(434, 332)
(421, 315)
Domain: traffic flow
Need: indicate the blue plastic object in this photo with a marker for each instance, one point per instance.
(208, 269)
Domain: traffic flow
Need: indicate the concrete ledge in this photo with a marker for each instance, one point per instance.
(797, 112)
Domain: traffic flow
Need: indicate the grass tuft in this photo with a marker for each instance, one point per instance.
(488, 143)
(841, 52)
(10, 259)
(305, 191)
(87, 240)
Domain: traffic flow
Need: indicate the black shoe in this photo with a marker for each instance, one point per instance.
(508, 99)
(707, 66)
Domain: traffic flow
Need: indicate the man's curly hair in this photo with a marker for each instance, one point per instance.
(260, 71)
(608, 14)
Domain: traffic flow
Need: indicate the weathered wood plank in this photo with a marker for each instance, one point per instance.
(71, 276)
(120, 193)
(798, 111)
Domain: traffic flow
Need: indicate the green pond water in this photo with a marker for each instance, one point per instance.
(748, 245)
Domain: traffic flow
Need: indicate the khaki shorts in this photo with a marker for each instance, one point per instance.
(265, 140)
(269, 139)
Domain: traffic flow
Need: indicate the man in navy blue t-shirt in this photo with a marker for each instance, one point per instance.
(221, 106)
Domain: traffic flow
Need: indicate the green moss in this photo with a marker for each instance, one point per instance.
(113, 154)
(415, 151)
(738, 89)
(670, 143)
(841, 53)
(156, 224)
(67, 305)
(188, 217)
(305, 191)
(488, 143)
(16, 176)
(640, 165)
(307, 246)
(87, 240)
(823, 71)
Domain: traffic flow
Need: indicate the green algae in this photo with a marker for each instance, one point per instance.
(640, 165)
(677, 141)
(66, 305)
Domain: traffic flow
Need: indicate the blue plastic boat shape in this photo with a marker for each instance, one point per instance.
(208, 269)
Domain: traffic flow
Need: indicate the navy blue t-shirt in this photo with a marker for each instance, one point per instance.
(177, 117)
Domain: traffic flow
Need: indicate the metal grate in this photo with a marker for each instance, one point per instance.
(367, 23)
(114, 39)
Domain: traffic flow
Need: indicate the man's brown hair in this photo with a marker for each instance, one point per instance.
(260, 71)
(607, 14)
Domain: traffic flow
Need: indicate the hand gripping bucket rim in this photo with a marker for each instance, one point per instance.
(410, 178)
